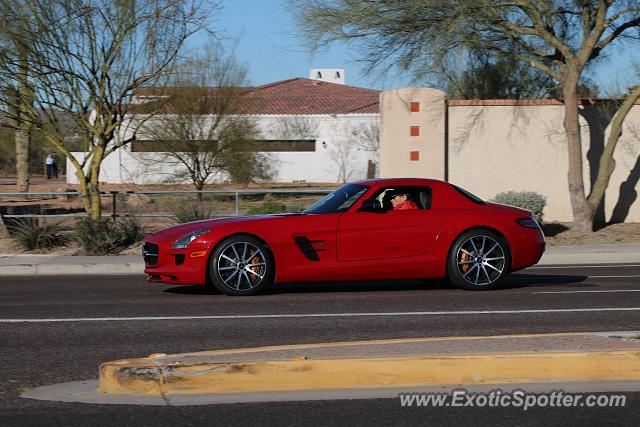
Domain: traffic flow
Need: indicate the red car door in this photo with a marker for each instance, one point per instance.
(304, 246)
(394, 234)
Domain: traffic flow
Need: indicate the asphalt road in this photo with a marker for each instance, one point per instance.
(58, 342)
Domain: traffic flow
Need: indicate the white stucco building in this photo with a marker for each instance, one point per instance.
(315, 130)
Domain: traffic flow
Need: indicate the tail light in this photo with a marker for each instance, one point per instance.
(529, 222)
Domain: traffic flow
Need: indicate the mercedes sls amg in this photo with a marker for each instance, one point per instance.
(353, 233)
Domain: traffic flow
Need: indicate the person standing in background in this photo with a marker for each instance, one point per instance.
(50, 164)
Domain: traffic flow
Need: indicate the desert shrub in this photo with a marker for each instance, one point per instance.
(104, 237)
(529, 200)
(270, 206)
(131, 231)
(191, 211)
(31, 234)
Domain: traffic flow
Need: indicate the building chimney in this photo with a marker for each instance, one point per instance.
(330, 75)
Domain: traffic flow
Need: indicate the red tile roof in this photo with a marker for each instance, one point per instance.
(301, 96)
(306, 96)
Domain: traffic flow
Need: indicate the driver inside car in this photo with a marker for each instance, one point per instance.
(402, 201)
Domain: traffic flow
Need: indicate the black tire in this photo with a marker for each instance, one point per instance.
(241, 265)
(480, 269)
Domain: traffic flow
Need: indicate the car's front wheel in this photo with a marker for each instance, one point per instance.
(478, 260)
(241, 265)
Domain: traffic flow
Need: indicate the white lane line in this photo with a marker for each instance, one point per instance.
(297, 316)
(571, 266)
(588, 292)
(603, 277)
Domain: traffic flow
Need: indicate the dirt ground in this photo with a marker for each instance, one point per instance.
(8, 246)
(157, 203)
(561, 234)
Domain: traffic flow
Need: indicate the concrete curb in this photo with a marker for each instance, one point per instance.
(161, 375)
(45, 269)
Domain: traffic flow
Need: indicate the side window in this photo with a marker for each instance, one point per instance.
(424, 197)
(419, 196)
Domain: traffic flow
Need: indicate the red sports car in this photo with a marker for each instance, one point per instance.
(367, 230)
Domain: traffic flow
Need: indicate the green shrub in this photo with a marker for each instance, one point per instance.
(524, 199)
(191, 211)
(31, 234)
(104, 237)
(270, 206)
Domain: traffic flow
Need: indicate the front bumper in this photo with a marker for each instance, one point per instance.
(175, 266)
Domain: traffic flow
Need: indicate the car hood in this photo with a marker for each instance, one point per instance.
(180, 230)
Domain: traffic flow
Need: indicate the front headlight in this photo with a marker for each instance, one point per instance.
(185, 241)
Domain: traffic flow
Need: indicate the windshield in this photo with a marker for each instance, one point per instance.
(338, 201)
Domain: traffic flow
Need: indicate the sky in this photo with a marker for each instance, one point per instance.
(266, 43)
(263, 32)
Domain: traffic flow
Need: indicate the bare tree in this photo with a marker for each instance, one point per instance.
(559, 38)
(343, 151)
(607, 162)
(342, 154)
(86, 57)
(243, 162)
(200, 134)
(17, 90)
(367, 137)
(295, 128)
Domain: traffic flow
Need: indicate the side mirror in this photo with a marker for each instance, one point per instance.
(372, 205)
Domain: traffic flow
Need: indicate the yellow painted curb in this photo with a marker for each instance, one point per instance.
(144, 376)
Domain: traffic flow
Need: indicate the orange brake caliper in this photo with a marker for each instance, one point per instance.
(255, 268)
(464, 258)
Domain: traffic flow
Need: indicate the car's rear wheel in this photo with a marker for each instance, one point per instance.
(241, 265)
(478, 260)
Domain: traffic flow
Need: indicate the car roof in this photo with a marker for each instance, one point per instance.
(379, 182)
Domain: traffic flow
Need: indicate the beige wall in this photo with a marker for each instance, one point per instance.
(495, 148)
(396, 120)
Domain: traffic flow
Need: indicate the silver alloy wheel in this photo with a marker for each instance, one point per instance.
(480, 260)
(241, 266)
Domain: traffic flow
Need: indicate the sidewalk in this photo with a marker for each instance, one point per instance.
(41, 265)
(592, 254)
(34, 265)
